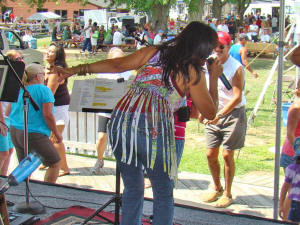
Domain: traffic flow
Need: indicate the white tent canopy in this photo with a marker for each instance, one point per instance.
(43, 16)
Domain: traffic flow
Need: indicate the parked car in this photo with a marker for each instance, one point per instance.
(9, 39)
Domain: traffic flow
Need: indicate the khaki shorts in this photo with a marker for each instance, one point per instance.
(229, 131)
(38, 143)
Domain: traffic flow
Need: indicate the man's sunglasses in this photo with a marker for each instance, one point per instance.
(221, 47)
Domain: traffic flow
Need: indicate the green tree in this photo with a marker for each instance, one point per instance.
(195, 9)
(158, 10)
(217, 8)
(40, 3)
(242, 6)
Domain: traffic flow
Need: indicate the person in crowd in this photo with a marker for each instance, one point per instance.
(57, 24)
(4, 143)
(214, 24)
(253, 31)
(293, 131)
(76, 30)
(295, 56)
(101, 35)
(56, 56)
(103, 118)
(12, 55)
(288, 152)
(41, 122)
(239, 52)
(264, 32)
(172, 27)
(223, 26)
(87, 41)
(67, 35)
(141, 129)
(291, 185)
(158, 37)
(108, 38)
(27, 37)
(95, 37)
(232, 28)
(54, 35)
(274, 24)
(228, 127)
(51, 26)
(258, 20)
(117, 37)
(149, 34)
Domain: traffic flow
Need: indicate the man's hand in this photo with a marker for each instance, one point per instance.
(215, 68)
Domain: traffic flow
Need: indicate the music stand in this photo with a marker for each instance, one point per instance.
(115, 199)
(117, 196)
(11, 73)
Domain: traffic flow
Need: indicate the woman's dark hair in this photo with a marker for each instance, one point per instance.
(190, 48)
(60, 59)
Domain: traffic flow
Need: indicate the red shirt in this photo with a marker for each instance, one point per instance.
(180, 126)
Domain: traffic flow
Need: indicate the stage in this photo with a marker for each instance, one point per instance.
(60, 197)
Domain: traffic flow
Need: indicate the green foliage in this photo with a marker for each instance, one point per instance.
(40, 3)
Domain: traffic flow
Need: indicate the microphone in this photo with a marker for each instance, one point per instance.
(223, 78)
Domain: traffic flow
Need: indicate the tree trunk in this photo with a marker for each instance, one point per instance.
(196, 9)
(160, 14)
(217, 9)
(242, 5)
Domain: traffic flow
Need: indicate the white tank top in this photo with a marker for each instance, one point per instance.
(229, 69)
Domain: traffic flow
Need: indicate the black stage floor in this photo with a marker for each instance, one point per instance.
(59, 197)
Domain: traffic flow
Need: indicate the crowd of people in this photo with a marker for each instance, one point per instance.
(146, 129)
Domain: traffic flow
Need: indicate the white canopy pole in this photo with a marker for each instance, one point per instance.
(278, 108)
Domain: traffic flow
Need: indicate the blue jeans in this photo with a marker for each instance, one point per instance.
(133, 178)
(294, 214)
(87, 45)
(179, 150)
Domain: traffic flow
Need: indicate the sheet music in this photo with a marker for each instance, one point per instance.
(98, 93)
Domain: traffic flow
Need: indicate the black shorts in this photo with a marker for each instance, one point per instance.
(102, 124)
(38, 143)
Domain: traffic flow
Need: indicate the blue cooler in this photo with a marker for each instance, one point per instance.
(285, 107)
(33, 43)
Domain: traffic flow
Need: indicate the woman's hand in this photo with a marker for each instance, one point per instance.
(56, 138)
(3, 129)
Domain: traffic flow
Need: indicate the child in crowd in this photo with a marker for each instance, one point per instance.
(95, 36)
(292, 183)
(288, 152)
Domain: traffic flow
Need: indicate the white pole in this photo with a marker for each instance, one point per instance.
(297, 31)
(278, 108)
(267, 83)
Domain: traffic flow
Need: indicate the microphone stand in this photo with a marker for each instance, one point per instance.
(32, 207)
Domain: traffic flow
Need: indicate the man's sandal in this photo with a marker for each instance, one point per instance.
(213, 196)
(224, 202)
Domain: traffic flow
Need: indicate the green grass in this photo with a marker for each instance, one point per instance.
(255, 156)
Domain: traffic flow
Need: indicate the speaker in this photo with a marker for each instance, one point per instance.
(9, 85)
